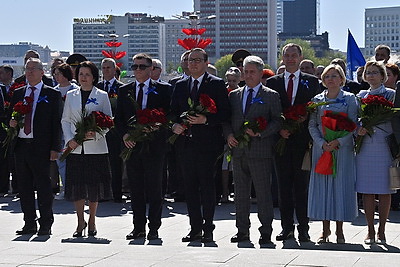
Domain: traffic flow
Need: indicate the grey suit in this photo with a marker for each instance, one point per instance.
(254, 163)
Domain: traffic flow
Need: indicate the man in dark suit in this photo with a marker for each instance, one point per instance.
(200, 148)
(250, 163)
(38, 143)
(294, 87)
(6, 79)
(4, 173)
(33, 54)
(111, 85)
(176, 186)
(144, 167)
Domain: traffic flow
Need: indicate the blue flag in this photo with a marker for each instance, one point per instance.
(355, 58)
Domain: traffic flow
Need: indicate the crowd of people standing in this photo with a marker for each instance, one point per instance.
(241, 119)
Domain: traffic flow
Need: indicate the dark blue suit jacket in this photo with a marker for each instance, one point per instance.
(207, 137)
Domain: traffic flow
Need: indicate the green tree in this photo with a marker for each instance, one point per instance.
(223, 64)
(309, 53)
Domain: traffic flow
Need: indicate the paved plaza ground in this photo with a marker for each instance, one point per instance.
(110, 248)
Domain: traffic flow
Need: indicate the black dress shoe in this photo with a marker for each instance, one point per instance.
(207, 237)
(240, 237)
(44, 231)
(264, 239)
(152, 235)
(284, 235)
(304, 237)
(192, 236)
(136, 234)
(27, 230)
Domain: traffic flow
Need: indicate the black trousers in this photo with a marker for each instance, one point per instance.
(145, 180)
(293, 188)
(33, 169)
(4, 171)
(198, 172)
(114, 150)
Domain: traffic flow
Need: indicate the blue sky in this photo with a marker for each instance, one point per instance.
(50, 22)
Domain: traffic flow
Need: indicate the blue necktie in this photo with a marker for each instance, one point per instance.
(248, 101)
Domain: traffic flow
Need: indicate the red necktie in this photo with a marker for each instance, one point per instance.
(28, 116)
(139, 99)
(290, 88)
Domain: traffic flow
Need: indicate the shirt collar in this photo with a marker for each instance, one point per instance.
(296, 74)
(110, 81)
(146, 83)
(37, 86)
(200, 79)
(255, 88)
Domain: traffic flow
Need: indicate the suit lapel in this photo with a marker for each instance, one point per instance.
(203, 84)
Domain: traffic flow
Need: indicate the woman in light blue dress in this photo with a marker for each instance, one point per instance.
(333, 198)
(374, 159)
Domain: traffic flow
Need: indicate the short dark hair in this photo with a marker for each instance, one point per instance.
(9, 69)
(384, 47)
(394, 69)
(298, 47)
(340, 62)
(65, 70)
(202, 51)
(93, 69)
(145, 56)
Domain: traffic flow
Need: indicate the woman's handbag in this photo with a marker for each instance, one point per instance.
(394, 172)
(306, 165)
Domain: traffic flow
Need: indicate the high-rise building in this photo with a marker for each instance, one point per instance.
(382, 27)
(173, 32)
(248, 24)
(138, 33)
(300, 17)
(13, 54)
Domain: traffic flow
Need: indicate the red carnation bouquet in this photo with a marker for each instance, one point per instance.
(20, 109)
(205, 106)
(293, 118)
(257, 125)
(96, 121)
(15, 86)
(143, 127)
(334, 125)
(375, 110)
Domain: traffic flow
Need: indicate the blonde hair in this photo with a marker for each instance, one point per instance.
(336, 67)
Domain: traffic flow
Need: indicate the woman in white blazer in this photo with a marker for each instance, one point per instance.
(88, 175)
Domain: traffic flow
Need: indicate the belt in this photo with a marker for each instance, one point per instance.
(26, 140)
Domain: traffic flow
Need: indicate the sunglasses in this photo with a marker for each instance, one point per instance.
(140, 66)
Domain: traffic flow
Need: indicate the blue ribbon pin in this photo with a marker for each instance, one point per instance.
(305, 83)
(257, 100)
(151, 90)
(92, 100)
(43, 98)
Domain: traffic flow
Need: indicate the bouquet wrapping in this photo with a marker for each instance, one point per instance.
(334, 125)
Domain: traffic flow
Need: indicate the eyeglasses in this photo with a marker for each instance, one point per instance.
(371, 72)
(195, 60)
(140, 66)
(333, 76)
